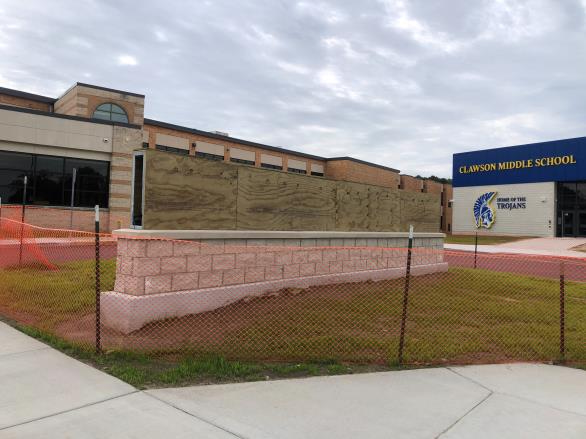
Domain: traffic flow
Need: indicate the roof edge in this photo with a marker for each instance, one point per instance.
(362, 162)
(26, 95)
(161, 124)
(67, 116)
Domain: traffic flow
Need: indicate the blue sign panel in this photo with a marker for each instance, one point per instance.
(558, 160)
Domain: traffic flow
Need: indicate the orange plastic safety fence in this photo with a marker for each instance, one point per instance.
(268, 301)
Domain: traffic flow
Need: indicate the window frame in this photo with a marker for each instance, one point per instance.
(108, 113)
(100, 192)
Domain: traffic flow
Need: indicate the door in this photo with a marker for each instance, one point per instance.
(582, 223)
(568, 223)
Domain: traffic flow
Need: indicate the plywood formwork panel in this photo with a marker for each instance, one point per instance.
(184, 192)
(420, 210)
(366, 207)
(272, 200)
(187, 193)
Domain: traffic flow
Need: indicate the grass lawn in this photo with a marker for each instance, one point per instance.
(462, 316)
(482, 239)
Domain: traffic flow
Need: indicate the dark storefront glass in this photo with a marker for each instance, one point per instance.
(50, 180)
(571, 209)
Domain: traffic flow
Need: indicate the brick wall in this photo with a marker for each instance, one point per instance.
(411, 184)
(153, 130)
(432, 187)
(82, 101)
(348, 170)
(23, 103)
(59, 218)
(447, 195)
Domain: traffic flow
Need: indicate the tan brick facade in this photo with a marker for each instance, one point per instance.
(348, 170)
(411, 184)
(227, 144)
(447, 197)
(24, 103)
(81, 100)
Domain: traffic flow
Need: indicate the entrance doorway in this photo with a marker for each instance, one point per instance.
(571, 208)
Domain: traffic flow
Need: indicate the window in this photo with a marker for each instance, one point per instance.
(50, 179)
(297, 171)
(208, 156)
(242, 161)
(317, 174)
(269, 166)
(112, 112)
(145, 145)
(173, 150)
(137, 191)
(13, 168)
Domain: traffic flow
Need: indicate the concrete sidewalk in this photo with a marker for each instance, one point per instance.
(537, 246)
(46, 394)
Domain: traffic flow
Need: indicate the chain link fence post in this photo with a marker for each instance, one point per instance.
(405, 296)
(97, 278)
(22, 220)
(562, 313)
(475, 249)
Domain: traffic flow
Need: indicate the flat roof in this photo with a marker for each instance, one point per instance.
(231, 139)
(46, 99)
(67, 116)
(362, 162)
(25, 95)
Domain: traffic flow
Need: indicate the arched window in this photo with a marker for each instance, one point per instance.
(111, 112)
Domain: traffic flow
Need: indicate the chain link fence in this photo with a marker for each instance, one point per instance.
(485, 308)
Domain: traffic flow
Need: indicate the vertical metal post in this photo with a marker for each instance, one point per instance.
(475, 249)
(22, 220)
(562, 313)
(72, 199)
(97, 278)
(405, 296)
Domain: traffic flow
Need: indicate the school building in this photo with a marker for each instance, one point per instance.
(537, 189)
(94, 132)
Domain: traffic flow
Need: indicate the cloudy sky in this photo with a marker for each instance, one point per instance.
(404, 83)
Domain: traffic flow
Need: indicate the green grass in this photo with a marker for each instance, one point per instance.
(462, 316)
(149, 371)
(482, 239)
(49, 297)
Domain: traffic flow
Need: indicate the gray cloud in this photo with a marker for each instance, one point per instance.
(401, 83)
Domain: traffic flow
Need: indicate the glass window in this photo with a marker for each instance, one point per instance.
(50, 180)
(171, 149)
(13, 168)
(242, 161)
(111, 112)
(296, 171)
(581, 195)
(208, 156)
(269, 166)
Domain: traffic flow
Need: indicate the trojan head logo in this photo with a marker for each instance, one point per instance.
(483, 211)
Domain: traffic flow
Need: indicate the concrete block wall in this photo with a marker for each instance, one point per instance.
(153, 266)
(158, 278)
